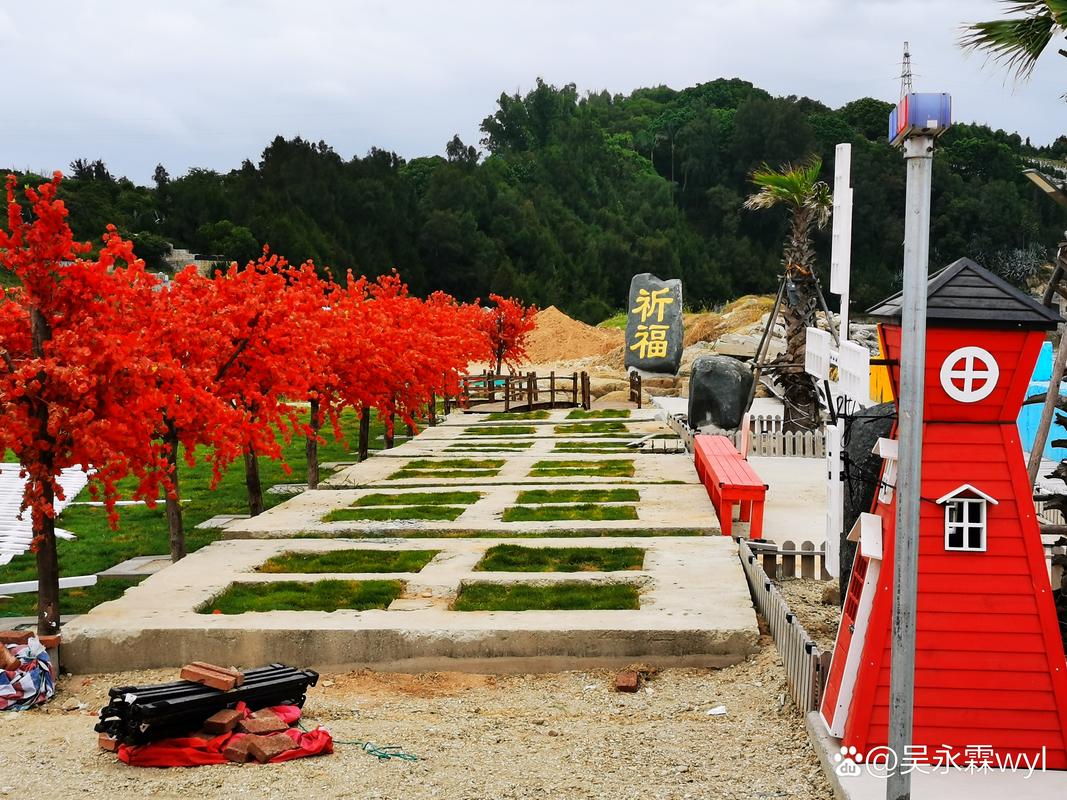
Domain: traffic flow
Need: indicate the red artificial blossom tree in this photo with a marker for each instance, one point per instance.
(507, 324)
(195, 346)
(77, 385)
(268, 329)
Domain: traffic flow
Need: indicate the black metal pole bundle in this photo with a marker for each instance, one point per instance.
(141, 714)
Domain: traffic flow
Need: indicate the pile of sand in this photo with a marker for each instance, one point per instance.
(557, 337)
(736, 317)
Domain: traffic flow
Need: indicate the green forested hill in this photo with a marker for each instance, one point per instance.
(574, 194)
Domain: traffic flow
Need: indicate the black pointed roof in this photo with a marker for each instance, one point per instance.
(966, 294)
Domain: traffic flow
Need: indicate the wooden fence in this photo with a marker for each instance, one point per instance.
(805, 664)
(783, 561)
(526, 391)
(635, 388)
(799, 444)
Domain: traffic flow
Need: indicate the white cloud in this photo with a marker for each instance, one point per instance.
(202, 83)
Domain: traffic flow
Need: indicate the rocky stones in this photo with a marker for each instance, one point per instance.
(654, 332)
(719, 390)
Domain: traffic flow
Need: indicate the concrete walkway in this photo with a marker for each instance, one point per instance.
(695, 607)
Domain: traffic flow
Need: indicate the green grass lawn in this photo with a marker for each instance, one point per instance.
(611, 468)
(535, 496)
(585, 511)
(439, 474)
(300, 596)
(576, 428)
(388, 513)
(568, 596)
(500, 430)
(604, 413)
(617, 321)
(350, 561)
(143, 531)
(516, 558)
(417, 499)
(504, 416)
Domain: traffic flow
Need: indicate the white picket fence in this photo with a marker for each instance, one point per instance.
(805, 444)
(16, 534)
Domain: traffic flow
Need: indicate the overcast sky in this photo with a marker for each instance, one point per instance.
(208, 83)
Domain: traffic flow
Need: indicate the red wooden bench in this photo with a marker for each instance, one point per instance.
(730, 479)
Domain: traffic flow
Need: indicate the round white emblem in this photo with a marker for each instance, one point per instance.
(969, 374)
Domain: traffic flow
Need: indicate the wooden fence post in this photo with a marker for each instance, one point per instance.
(789, 560)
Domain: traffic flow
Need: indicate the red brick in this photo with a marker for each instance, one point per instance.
(262, 723)
(264, 748)
(236, 674)
(627, 681)
(15, 637)
(216, 680)
(109, 743)
(8, 662)
(50, 642)
(236, 749)
(222, 721)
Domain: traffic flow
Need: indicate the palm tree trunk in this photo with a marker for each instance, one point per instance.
(801, 397)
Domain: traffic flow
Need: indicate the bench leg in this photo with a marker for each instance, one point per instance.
(755, 530)
(746, 510)
(726, 517)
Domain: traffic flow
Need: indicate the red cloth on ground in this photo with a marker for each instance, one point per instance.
(195, 752)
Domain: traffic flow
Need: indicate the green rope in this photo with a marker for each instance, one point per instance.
(386, 753)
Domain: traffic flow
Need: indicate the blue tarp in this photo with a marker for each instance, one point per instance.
(1030, 416)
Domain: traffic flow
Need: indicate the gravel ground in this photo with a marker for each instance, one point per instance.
(567, 735)
(820, 620)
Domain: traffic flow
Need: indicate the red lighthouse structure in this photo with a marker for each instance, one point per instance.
(990, 672)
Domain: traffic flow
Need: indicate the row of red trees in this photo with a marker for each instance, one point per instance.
(102, 366)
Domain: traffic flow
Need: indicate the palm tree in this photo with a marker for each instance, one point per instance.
(1018, 42)
(809, 203)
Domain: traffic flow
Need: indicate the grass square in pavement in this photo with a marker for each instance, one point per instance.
(537, 496)
(505, 416)
(350, 561)
(586, 511)
(604, 413)
(566, 596)
(328, 595)
(609, 468)
(417, 499)
(390, 513)
(516, 558)
(578, 428)
(449, 468)
(500, 430)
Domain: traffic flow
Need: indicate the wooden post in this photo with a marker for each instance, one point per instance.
(574, 389)
(490, 386)
(552, 389)
(530, 387)
(507, 393)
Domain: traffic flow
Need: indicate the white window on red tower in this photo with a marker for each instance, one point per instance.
(966, 518)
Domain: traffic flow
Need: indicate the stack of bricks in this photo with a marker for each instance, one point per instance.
(221, 678)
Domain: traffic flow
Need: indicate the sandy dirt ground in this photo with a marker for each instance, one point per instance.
(568, 735)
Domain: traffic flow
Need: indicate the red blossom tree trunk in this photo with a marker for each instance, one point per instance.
(44, 526)
(252, 482)
(364, 434)
(173, 502)
(311, 447)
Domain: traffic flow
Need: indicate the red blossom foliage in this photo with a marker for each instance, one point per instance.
(506, 325)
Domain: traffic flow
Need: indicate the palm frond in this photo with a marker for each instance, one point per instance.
(790, 185)
(1019, 42)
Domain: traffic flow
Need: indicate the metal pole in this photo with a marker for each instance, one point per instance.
(918, 151)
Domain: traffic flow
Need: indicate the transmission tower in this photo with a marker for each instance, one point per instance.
(906, 87)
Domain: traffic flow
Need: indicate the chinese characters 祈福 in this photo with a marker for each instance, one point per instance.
(651, 339)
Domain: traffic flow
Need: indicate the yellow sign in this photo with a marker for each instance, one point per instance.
(651, 340)
(652, 303)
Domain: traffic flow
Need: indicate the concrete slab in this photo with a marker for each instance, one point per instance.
(139, 567)
(796, 498)
(695, 610)
(939, 783)
(662, 507)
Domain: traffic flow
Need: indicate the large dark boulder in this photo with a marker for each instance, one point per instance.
(720, 388)
(862, 469)
(654, 325)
